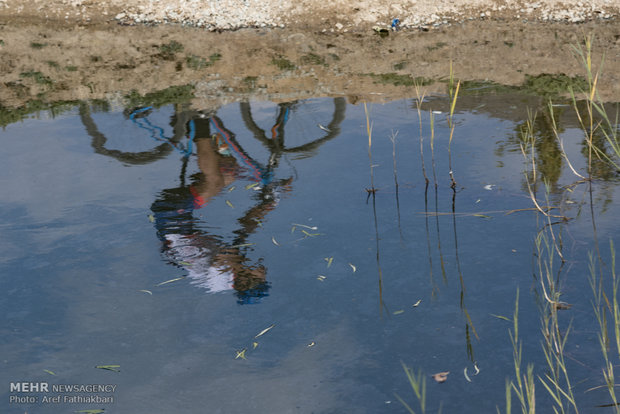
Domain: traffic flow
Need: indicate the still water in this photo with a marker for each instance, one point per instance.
(238, 259)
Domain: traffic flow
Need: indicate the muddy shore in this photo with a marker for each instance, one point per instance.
(83, 58)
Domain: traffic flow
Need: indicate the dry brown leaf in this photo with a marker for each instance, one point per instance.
(441, 376)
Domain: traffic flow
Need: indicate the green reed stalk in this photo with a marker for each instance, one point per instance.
(602, 307)
(418, 385)
(369, 133)
(523, 386)
(419, 100)
(454, 93)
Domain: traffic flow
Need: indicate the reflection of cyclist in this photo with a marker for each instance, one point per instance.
(211, 263)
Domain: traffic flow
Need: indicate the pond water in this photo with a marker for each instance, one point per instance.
(163, 242)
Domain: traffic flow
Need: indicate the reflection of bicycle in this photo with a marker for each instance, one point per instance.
(293, 132)
(140, 118)
(297, 128)
(99, 141)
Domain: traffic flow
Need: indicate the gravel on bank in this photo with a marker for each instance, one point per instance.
(346, 15)
(335, 15)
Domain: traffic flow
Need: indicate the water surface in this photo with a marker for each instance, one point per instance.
(262, 214)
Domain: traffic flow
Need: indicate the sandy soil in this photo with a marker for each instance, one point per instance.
(87, 49)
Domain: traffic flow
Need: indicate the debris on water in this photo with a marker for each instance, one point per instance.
(415, 305)
(264, 331)
(170, 281)
(482, 216)
(562, 305)
(231, 188)
(501, 317)
(321, 277)
(252, 185)
(398, 312)
(151, 218)
(353, 267)
(115, 368)
(324, 128)
(311, 344)
(395, 24)
(241, 354)
(489, 187)
(273, 239)
(49, 372)
(307, 227)
(243, 245)
(146, 291)
(441, 376)
(229, 204)
(466, 376)
(254, 345)
(437, 112)
(329, 261)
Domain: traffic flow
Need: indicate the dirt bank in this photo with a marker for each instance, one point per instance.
(91, 56)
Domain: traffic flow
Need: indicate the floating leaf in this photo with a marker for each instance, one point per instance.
(311, 344)
(415, 305)
(146, 291)
(229, 204)
(151, 218)
(264, 331)
(273, 239)
(353, 267)
(329, 261)
(293, 229)
(114, 368)
(50, 372)
(254, 345)
(398, 312)
(249, 186)
(321, 277)
(489, 187)
(466, 376)
(241, 354)
(441, 376)
(170, 281)
(231, 188)
(476, 369)
(310, 234)
(307, 227)
(243, 245)
(482, 216)
(501, 317)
